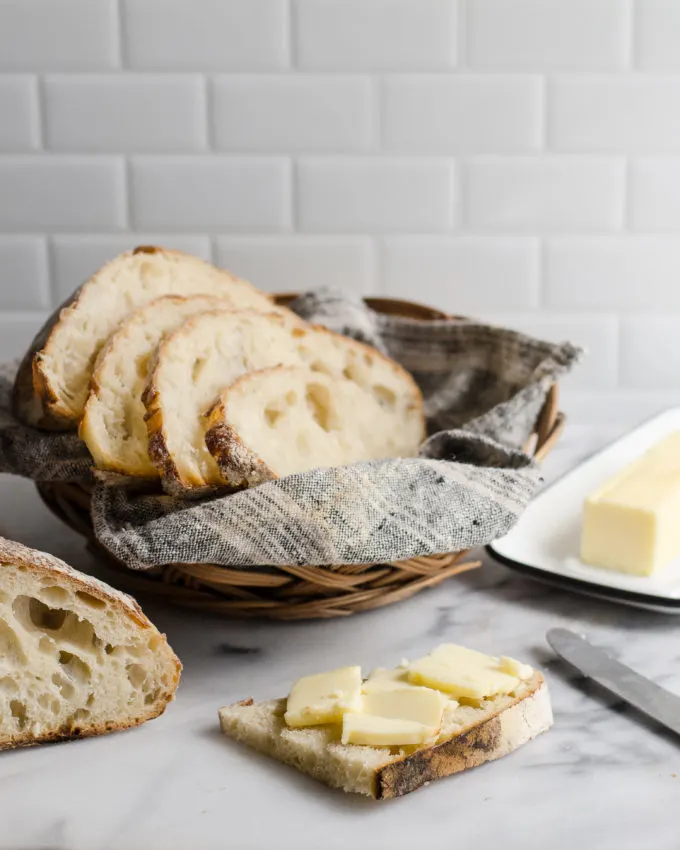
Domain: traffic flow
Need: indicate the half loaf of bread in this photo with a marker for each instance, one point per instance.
(279, 421)
(77, 657)
(469, 736)
(53, 380)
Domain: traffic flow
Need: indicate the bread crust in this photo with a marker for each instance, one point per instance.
(104, 461)
(46, 565)
(471, 747)
(157, 445)
(174, 481)
(35, 400)
(239, 465)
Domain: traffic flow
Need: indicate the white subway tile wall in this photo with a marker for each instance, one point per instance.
(517, 160)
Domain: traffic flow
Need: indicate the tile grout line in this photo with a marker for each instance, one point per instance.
(291, 19)
(632, 39)
(41, 101)
(122, 41)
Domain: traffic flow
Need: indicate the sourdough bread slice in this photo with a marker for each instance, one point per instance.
(113, 426)
(278, 421)
(53, 380)
(469, 736)
(190, 369)
(77, 657)
(196, 363)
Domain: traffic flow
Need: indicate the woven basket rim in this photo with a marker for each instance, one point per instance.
(291, 592)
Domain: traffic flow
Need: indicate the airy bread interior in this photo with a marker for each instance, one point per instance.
(191, 367)
(63, 365)
(195, 364)
(76, 657)
(113, 425)
(469, 736)
(275, 422)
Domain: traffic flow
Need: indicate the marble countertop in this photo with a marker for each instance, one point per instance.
(603, 777)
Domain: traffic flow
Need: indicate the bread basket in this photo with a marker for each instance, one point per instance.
(290, 592)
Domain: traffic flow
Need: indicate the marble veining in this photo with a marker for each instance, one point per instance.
(603, 777)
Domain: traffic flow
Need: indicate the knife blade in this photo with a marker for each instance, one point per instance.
(649, 698)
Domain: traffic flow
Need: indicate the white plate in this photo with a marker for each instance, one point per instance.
(545, 542)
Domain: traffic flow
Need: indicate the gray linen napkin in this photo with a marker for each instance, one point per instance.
(483, 388)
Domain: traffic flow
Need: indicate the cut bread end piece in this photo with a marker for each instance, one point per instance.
(469, 736)
(279, 421)
(53, 380)
(77, 658)
(113, 426)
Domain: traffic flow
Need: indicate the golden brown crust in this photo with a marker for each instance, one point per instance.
(34, 400)
(71, 732)
(174, 482)
(239, 465)
(46, 565)
(157, 445)
(471, 747)
(108, 464)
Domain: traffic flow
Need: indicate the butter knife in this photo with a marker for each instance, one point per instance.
(651, 699)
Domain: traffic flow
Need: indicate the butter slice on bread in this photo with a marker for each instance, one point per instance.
(469, 735)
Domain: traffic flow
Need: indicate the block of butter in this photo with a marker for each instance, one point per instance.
(632, 523)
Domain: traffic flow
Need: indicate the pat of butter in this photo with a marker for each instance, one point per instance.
(373, 731)
(387, 679)
(631, 523)
(462, 673)
(324, 697)
(515, 668)
(421, 705)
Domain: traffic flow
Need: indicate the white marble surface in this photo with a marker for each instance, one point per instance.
(601, 778)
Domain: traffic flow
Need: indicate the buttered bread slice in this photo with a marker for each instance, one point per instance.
(279, 421)
(399, 729)
(52, 384)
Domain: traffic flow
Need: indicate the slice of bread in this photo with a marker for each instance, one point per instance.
(191, 367)
(53, 380)
(196, 363)
(283, 420)
(469, 736)
(77, 658)
(113, 426)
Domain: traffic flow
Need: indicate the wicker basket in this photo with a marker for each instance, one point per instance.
(292, 592)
